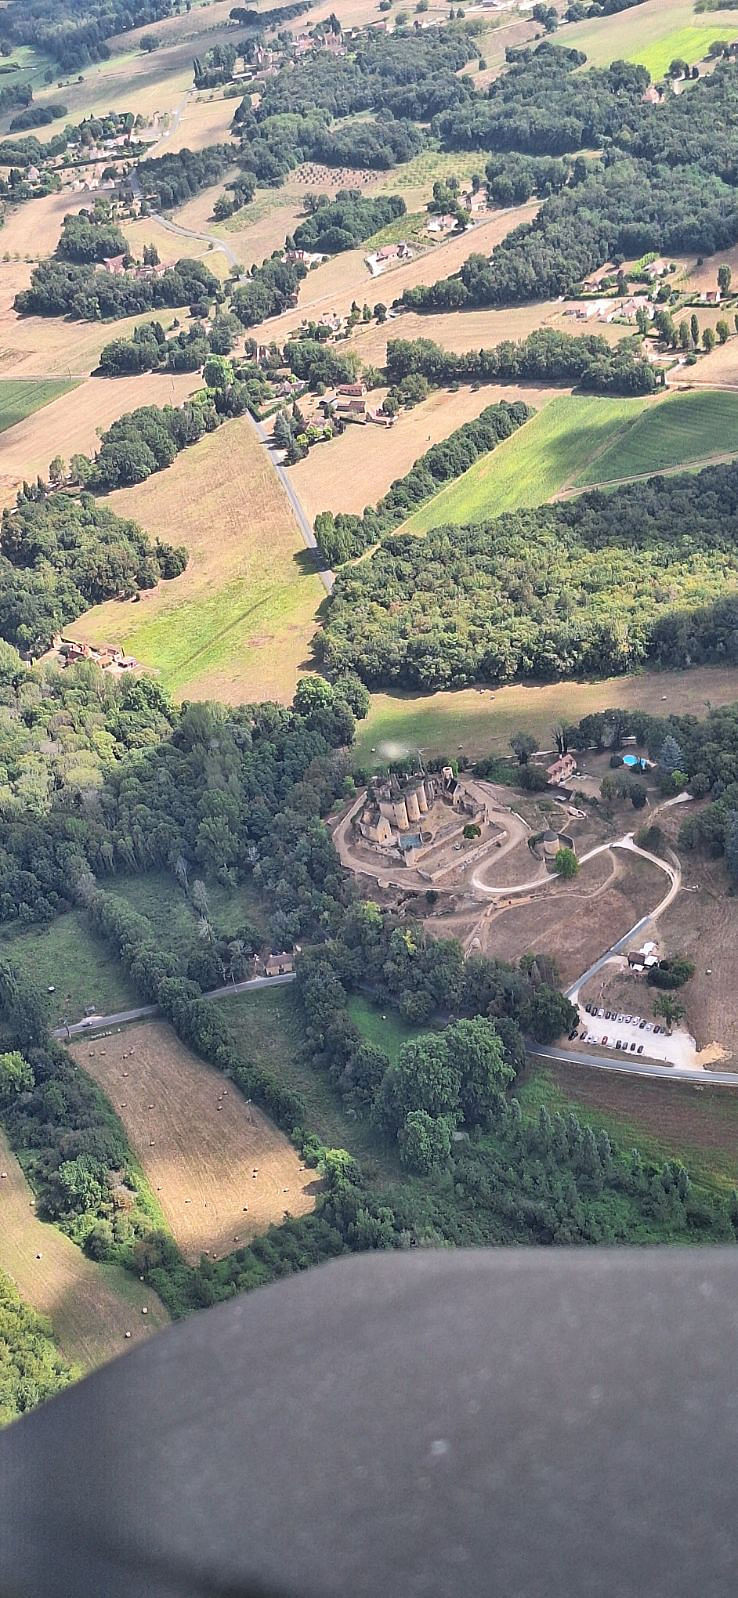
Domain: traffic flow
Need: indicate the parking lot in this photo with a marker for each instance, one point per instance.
(609, 1029)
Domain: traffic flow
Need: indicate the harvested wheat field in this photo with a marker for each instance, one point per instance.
(237, 624)
(90, 1306)
(198, 1140)
(718, 369)
(32, 230)
(576, 922)
(344, 278)
(50, 346)
(468, 330)
(204, 121)
(355, 470)
(71, 423)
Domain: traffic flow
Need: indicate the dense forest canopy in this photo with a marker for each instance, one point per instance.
(667, 179)
(341, 224)
(60, 288)
(600, 585)
(31, 1368)
(75, 32)
(59, 556)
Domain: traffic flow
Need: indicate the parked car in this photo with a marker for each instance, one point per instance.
(604, 1040)
(641, 1025)
(640, 1048)
(633, 1047)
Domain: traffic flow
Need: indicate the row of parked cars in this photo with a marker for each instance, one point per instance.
(635, 1020)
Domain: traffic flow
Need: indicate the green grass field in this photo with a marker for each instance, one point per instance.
(653, 34)
(687, 427)
(666, 1120)
(690, 44)
(269, 1028)
(158, 896)
(410, 226)
(546, 453)
(385, 1029)
(475, 722)
(21, 397)
(81, 968)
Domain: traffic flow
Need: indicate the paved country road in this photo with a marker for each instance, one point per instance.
(630, 1067)
(96, 1023)
(301, 517)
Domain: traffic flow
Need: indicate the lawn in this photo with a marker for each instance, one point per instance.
(545, 454)
(666, 1120)
(687, 427)
(269, 1028)
(20, 397)
(478, 721)
(66, 956)
(237, 624)
(410, 226)
(385, 1029)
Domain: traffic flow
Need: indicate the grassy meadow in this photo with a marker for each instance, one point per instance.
(237, 624)
(66, 956)
(21, 397)
(478, 721)
(653, 34)
(686, 427)
(269, 1027)
(528, 468)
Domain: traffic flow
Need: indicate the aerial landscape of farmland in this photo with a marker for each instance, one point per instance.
(368, 656)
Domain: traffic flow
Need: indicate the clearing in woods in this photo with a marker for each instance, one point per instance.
(237, 625)
(198, 1140)
(480, 721)
(686, 427)
(270, 1028)
(91, 1306)
(21, 398)
(531, 465)
(66, 956)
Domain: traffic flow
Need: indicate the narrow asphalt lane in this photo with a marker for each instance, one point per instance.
(304, 523)
(630, 1067)
(95, 1023)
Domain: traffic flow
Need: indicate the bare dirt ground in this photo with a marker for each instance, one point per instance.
(355, 470)
(198, 1141)
(90, 1306)
(719, 369)
(704, 926)
(576, 921)
(71, 422)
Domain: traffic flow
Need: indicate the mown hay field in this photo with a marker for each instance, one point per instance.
(538, 460)
(685, 427)
(198, 1140)
(237, 624)
(71, 421)
(32, 230)
(479, 721)
(90, 1306)
(50, 346)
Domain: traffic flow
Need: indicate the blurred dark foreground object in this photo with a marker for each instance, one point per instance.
(484, 1424)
